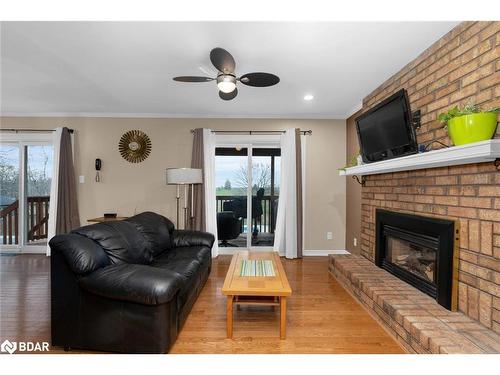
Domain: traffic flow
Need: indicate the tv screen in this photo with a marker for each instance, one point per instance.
(386, 130)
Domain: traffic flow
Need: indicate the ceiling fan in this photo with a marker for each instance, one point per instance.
(226, 78)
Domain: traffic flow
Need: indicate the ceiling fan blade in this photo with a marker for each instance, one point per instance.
(192, 79)
(259, 79)
(228, 96)
(222, 60)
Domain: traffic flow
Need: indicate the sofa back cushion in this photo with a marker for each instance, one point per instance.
(81, 253)
(156, 229)
(121, 241)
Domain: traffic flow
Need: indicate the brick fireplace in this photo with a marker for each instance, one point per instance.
(469, 194)
(462, 66)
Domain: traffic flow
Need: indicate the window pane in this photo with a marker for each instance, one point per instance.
(38, 181)
(265, 192)
(9, 194)
(231, 181)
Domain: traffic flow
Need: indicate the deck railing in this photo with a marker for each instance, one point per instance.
(266, 223)
(37, 221)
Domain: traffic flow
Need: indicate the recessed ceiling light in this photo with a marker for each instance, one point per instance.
(308, 97)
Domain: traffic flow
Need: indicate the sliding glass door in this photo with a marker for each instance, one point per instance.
(247, 193)
(25, 180)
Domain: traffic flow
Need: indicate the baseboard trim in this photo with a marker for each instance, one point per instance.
(323, 253)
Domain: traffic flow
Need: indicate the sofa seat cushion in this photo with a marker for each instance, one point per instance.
(188, 268)
(200, 253)
(135, 283)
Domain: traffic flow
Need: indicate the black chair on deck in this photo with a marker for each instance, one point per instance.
(228, 228)
(239, 207)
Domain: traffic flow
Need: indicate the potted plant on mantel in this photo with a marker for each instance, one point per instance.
(470, 124)
(353, 161)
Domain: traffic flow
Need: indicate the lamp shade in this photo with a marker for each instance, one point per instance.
(184, 176)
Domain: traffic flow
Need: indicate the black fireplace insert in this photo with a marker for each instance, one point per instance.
(419, 250)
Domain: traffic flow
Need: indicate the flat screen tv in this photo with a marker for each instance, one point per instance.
(386, 131)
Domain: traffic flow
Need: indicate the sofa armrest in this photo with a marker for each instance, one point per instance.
(184, 238)
(133, 282)
(81, 254)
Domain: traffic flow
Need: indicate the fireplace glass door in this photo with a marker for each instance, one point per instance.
(419, 250)
(418, 259)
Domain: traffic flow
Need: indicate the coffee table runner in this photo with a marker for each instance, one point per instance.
(262, 268)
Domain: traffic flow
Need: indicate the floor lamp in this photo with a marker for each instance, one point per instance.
(186, 177)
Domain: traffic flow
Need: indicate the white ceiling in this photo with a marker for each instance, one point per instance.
(126, 68)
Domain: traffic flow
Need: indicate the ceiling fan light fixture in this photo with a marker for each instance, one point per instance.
(226, 83)
(226, 78)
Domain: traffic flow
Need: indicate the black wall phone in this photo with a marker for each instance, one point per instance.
(98, 166)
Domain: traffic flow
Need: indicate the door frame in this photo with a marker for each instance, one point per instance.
(21, 140)
(249, 142)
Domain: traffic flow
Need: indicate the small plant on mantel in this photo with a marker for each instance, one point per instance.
(470, 123)
(352, 162)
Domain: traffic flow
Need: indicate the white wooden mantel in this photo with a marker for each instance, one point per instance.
(479, 152)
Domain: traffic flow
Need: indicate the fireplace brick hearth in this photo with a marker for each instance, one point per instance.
(416, 320)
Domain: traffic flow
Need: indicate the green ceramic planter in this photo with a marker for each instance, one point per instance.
(472, 128)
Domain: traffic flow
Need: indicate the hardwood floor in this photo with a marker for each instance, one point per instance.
(24, 298)
(321, 316)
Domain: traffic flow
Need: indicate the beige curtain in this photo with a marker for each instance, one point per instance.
(298, 184)
(197, 160)
(288, 235)
(67, 216)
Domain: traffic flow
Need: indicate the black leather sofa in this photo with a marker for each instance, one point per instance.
(126, 286)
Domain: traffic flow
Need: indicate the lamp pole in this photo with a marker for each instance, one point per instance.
(185, 206)
(187, 177)
(191, 221)
(178, 198)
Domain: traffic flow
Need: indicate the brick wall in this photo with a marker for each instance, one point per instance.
(463, 65)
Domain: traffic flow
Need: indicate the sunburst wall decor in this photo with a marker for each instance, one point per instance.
(135, 146)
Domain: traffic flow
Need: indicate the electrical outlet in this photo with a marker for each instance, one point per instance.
(329, 235)
(355, 241)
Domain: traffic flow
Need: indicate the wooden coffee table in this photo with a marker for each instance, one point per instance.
(256, 290)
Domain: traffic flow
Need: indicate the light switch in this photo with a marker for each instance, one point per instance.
(81, 179)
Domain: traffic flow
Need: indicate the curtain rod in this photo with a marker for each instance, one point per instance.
(250, 132)
(31, 130)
